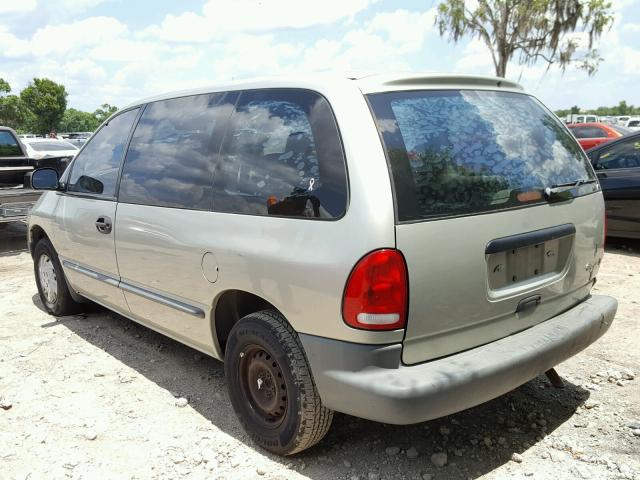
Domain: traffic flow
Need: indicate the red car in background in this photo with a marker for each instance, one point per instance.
(591, 134)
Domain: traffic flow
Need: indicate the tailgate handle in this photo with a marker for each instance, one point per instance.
(527, 303)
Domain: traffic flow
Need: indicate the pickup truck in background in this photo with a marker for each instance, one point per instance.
(15, 199)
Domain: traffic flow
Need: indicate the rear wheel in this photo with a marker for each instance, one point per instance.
(52, 286)
(271, 387)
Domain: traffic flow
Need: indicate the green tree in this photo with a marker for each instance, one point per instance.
(623, 108)
(47, 100)
(78, 121)
(104, 112)
(4, 86)
(14, 113)
(531, 29)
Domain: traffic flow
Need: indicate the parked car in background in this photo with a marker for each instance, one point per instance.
(622, 119)
(633, 123)
(15, 199)
(49, 147)
(580, 118)
(617, 164)
(591, 134)
(77, 138)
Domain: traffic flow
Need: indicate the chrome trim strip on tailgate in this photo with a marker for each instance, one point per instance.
(127, 287)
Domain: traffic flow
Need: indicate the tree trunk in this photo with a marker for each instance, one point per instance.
(501, 67)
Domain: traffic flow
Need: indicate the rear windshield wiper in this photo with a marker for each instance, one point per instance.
(553, 190)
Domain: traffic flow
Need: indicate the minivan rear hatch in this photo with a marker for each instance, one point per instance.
(498, 214)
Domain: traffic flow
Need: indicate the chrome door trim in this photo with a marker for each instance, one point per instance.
(90, 273)
(127, 287)
(169, 302)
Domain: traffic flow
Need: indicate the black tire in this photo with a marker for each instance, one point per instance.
(63, 304)
(263, 346)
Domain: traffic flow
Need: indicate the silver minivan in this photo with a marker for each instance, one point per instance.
(397, 248)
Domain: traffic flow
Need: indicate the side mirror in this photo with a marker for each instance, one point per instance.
(43, 179)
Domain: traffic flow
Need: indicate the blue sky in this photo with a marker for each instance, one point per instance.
(116, 51)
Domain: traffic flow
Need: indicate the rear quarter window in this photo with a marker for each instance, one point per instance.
(461, 152)
(282, 156)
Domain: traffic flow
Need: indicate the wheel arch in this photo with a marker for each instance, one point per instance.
(36, 233)
(230, 306)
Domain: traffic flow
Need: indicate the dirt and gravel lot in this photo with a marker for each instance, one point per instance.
(98, 396)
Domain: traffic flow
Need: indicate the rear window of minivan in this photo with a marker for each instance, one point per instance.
(282, 156)
(462, 152)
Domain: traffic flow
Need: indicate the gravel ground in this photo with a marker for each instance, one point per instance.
(98, 396)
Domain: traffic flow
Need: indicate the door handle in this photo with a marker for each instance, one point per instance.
(104, 225)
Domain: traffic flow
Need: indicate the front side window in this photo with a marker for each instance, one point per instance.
(95, 169)
(170, 160)
(620, 156)
(9, 145)
(461, 152)
(282, 155)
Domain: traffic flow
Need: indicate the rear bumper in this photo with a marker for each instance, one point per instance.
(369, 381)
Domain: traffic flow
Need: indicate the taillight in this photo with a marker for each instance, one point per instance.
(376, 293)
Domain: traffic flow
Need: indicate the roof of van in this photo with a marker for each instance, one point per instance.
(367, 84)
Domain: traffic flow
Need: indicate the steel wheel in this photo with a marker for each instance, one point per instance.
(263, 385)
(48, 279)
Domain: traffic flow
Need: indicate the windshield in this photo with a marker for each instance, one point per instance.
(52, 146)
(460, 152)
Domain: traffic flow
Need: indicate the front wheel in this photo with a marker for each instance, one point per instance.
(50, 281)
(271, 387)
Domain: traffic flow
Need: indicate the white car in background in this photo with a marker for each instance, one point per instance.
(633, 123)
(39, 148)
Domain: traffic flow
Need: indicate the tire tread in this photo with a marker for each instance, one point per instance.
(316, 418)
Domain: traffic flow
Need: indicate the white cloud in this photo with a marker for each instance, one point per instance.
(378, 46)
(405, 30)
(16, 6)
(79, 4)
(75, 36)
(631, 28)
(219, 18)
(243, 15)
(12, 46)
(475, 58)
(255, 55)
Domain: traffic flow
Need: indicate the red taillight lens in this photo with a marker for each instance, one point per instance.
(375, 297)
